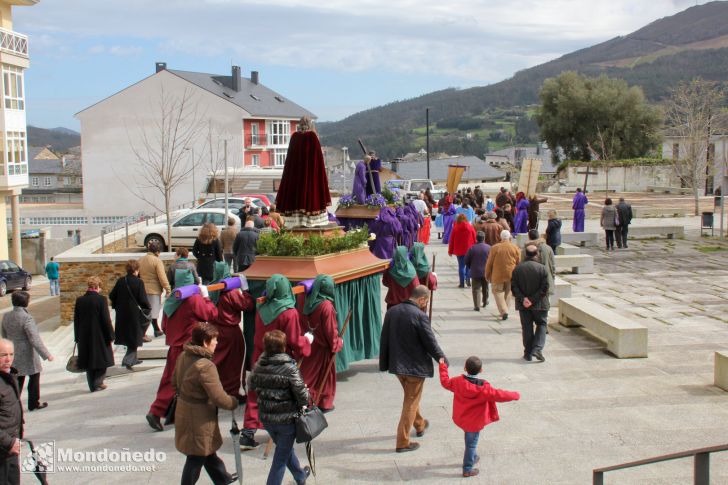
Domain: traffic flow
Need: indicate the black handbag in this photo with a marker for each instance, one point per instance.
(309, 424)
(146, 314)
(169, 415)
(72, 364)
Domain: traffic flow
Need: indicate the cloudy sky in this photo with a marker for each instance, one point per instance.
(335, 57)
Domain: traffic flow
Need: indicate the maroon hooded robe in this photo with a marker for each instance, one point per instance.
(326, 342)
(230, 351)
(304, 187)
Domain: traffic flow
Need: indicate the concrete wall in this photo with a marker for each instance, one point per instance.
(624, 179)
(109, 129)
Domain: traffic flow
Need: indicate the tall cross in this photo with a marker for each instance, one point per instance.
(586, 174)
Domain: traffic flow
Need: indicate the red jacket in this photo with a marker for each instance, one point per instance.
(462, 237)
(474, 404)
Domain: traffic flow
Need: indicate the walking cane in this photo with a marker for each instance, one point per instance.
(432, 292)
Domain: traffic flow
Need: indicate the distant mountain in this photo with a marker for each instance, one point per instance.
(656, 57)
(59, 139)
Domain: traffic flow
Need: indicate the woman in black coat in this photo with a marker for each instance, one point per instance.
(126, 298)
(94, 334)
(207, 249)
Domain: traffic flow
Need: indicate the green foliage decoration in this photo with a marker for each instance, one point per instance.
(287, 243)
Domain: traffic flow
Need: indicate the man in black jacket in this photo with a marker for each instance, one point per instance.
(624, 214)
(530, 286)
(245, 246)
(11, 417)
(407, 349)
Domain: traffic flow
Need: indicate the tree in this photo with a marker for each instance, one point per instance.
(692, 115)
(588, 118)
(159, 149)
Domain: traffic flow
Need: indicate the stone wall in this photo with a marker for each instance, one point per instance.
(634, 178)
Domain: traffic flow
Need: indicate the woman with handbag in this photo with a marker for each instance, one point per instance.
(199, 395)
(609, 222)
(133, 312)
(93, 333)
(281, 396)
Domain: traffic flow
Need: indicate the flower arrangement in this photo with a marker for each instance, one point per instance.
(347, 201)
(376, 200)
(391, 195)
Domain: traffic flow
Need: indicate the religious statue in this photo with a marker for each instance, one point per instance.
(303, 194)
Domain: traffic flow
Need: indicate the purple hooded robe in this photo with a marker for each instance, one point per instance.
(388, 230)
(580, 201)
(359, 189)
(520, 223)
(448, 218)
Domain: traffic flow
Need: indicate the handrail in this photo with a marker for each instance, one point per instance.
(701, 473)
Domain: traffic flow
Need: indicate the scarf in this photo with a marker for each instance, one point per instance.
(278, 299)
(402, 269)
(323, 289)
(182, 277)
(419, 260)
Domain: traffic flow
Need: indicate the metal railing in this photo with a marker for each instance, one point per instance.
(701, 468)
(14, 43)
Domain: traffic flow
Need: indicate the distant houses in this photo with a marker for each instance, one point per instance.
(52, 179)
(476, 169)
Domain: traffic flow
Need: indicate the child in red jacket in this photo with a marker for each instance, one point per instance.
(473, 406)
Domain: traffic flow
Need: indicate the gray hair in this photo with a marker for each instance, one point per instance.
(505, 235)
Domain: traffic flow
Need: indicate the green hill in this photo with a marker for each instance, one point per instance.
(656, 57)
(59, 139)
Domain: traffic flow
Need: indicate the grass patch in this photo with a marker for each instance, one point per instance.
(710, 249)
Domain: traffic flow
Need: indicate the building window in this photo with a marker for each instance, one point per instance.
(675, 151)
(47, 181)
(66, 181)
(13, 87)
(254, 134)
(279, 131)
(255, 160)
(34, 181)
(15, 152)
(279, 157)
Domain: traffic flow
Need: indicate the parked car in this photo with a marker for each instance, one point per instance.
(234, 203)
(264, 198)
(184, 227)
(13, 277)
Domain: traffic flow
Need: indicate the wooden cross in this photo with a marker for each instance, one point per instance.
(586, 174)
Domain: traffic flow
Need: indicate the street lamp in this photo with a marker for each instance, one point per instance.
(194, 192)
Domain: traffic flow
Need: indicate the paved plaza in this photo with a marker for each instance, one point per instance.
(579, 410)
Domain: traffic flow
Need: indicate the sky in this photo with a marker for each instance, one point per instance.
(334, 57)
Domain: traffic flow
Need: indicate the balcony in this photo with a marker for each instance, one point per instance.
(264, 141)
(13, 43)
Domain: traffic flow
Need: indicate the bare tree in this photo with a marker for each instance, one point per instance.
(217, 158)
(159, 149)
(691, 116)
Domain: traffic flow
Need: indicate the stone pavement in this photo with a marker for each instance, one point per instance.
(579, 410)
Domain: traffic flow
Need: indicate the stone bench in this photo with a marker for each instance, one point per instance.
(576, 263)
(646, 212)
(721, 370)
(580, 238)
(562, 290)
(567, 249)
(670, 231)
(669, 190)
(624, 337)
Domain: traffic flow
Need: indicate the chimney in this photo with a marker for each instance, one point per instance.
(236, 78)
(161, 66)
(254, 77)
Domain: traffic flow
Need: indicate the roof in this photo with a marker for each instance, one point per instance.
(477, 169)
(43, 166)
(256, 99)
(43, 153)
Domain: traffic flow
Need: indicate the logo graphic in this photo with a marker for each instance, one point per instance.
(41, 459)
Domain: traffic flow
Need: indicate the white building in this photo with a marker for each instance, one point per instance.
(13, 146)
(255, 121)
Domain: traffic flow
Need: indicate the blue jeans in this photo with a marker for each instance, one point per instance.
(284, 436)
(471, 446)
(463, 271)
(55, 287)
